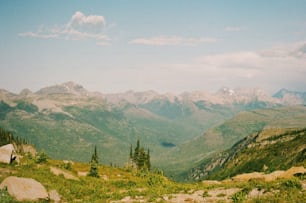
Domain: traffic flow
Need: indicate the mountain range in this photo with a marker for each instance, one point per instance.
(180, 130)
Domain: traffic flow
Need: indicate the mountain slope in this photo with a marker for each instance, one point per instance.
(268, 150)
(231, 131)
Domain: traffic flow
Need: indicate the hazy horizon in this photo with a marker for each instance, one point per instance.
(165, 46)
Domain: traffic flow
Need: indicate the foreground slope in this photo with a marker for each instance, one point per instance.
(124, 185)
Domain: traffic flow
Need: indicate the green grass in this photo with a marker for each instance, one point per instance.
(118, 183)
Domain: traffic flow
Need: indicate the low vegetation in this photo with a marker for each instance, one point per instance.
(93, 182)
(115, 184)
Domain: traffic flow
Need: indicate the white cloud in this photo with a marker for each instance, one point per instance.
(38, 35)
(80, 27)
(171, 41)
(80, 19)
(238, 69)
(277, 67)
(233, 29)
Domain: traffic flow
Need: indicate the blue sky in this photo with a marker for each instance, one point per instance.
(167, 46)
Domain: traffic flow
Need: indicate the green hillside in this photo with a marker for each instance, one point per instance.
(57, 120)
(266, 151)
(231, 131)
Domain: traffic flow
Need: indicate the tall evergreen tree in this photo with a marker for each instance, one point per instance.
(136, 153)
(94, 164)
(140, 158)
(95, 157)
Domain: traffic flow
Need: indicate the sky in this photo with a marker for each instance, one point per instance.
(162, 45)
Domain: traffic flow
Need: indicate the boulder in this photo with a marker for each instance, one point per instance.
(7, 153)
(24, 189)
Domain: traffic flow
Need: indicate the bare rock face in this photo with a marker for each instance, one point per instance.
(24, 189)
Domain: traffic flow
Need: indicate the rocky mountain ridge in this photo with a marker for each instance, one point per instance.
(224, 96)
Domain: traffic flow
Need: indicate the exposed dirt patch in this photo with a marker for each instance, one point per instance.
(215, 195)
(58, 171)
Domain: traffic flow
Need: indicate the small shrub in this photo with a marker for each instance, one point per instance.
(221, 195)
(205, 194)
(67, 166)
(240, 196)
(292, 184)
(41, 157)
(155, 180)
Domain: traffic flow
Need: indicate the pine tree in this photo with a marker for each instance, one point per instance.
(136, 153)
(94, 170)
(94, 164)
(140, 158)
(95, 157)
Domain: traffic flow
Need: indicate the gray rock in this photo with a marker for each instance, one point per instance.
(7, 153)
(24, 189)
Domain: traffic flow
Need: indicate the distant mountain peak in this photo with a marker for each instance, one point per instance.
(73, 86)
(283, 92)
(64, 88)
(280, 94)
(25, 92)
(226, 91)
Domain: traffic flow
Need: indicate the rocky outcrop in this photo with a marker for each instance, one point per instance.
(7, 153)
(24, 189)
(272, 176)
